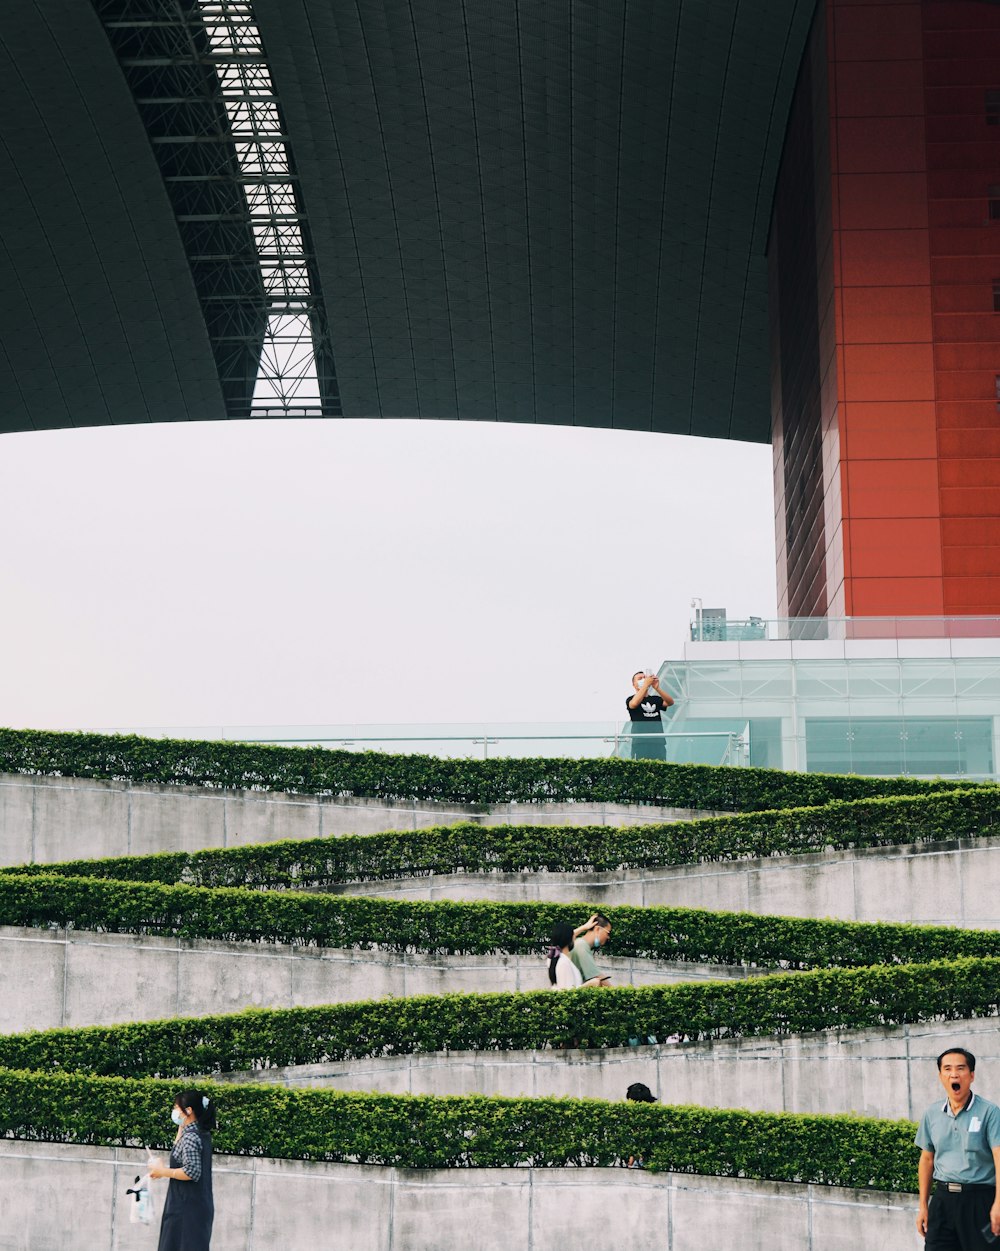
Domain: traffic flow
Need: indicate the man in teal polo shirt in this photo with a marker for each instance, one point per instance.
(959, 1141)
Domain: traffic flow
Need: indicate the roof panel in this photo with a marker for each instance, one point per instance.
(540, 213)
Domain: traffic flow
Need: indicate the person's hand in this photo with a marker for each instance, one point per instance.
(592, 922)
(156, 1171)
(922, 1220)
(995, 1217)
(605, 979)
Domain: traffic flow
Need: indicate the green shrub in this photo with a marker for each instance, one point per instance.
(378, 775)
(443, 926)
(470, 1131)
(276, 1038)
(469, 848)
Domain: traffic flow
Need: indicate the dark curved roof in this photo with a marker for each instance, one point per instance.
(516, 210)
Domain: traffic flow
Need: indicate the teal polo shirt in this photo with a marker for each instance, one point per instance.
(582, 956)
(963, 1144)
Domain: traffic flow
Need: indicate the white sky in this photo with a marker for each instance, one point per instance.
(330, 572)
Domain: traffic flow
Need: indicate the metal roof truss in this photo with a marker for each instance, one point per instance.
(200, 79)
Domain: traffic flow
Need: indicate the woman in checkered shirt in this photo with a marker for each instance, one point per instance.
(189, 1210)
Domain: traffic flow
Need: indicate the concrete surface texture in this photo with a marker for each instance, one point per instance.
(887, 1073)
(52, 977)
(49, 819)
(924, 884)
(64, 1198)
(46, 819)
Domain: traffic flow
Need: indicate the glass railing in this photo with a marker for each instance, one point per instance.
(710, 629)
(483, 741)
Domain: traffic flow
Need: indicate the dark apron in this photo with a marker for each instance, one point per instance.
(190, 1209)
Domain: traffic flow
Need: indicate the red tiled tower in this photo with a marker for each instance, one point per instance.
(885, 312)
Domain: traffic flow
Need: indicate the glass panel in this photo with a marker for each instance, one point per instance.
(932, 747)
(978, 679)
(820, 679)
(829, 745)
(767, 679)
(719, 629)
(873, 679)
(976, 746)
(927, 679)
(714, 681)
(765, 743)
(924, 746)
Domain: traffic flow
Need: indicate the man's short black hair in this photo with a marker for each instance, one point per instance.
(639, 673)
(970, 1059)
(601, 920)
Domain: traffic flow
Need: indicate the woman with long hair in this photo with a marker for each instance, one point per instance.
(190, 1209)
(563, 973)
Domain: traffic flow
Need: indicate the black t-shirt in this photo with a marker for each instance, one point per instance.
(649, 709)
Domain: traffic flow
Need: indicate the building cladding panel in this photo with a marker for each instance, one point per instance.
(910, 410)
(524, 212)
(100, 320)
(801, 276)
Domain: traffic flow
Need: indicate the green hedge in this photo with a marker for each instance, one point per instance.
(470, 1131)
(259, 1038)
(448, 927)
(470, 848)
(377, 775)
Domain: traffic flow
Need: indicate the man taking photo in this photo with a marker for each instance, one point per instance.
(645, 706)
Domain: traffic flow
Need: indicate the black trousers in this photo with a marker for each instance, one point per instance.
(955, 1221)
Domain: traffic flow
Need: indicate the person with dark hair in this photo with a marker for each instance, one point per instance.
(959, 1167)
(593, 934)
(638, 1092)
(563, 973)
(189, 1211)
(645, 706)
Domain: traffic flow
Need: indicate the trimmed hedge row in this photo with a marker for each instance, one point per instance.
(378, 775)
(789, 1003)
(468, 1132)
(443, 926)
(470, 848)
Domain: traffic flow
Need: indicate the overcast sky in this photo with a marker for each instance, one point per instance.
(331, 572)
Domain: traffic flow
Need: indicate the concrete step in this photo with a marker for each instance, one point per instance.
(45, 819)
(884, 1073)
(948, 883)
(44, 1188)
(57, 977)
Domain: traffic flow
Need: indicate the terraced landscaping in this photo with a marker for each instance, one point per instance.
(106, 1084)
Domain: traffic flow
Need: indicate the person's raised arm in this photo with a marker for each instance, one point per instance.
(668, 700)
(925, 1173)
(585, 927)
(648, 680)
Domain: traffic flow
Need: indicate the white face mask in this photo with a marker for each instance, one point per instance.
(177, 1116)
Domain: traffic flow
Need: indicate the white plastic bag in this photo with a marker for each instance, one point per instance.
(142, 1207)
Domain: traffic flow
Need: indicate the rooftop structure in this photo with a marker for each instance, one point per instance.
(218, 208)
(891, 696)
(600, 214)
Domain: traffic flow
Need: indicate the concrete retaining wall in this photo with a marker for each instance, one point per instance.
(45, 819)
(48, 819)
(927, 884)
(57, 977)
(62, 1198)
(886, 1073)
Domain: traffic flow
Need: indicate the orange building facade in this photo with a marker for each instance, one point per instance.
(884, 260)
